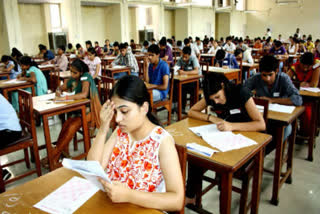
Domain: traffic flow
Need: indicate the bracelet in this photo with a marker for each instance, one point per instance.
(208, 117)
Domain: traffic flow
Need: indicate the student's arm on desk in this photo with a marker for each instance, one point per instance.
(314, 80)
(82, 95)
(7, 69)
(171, 200)
(193, 72)
(195, 112)
(32, 78)
(257, 123)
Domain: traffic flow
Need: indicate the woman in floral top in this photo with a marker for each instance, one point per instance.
(139, 157)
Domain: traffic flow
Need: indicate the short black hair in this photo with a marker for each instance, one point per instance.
(78, 46)
(237, 52)
(92, 51)
(96, 42)
(42, 47)
(220, 54)
(163, 42)
(277, 43)
(131, 40)
(88, 42)
(145, 43)
(63, 48)
(125, 44)
(179, 42)
(268, 64)
(186, 41)
(69, 45)
(309, 38)
(186, 50)
(154, 49)
(228, 38)
(307, 58)
(122, 46)
(197, 39)
(116, 44)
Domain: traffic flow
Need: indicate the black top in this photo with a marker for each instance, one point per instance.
(234, 110)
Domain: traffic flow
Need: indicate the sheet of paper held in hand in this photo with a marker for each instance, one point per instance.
(91, 170)
(224, 141)
(68, 197)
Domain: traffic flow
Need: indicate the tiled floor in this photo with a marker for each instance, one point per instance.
(302, 196)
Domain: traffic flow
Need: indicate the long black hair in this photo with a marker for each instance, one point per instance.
(15, 53)
(133, 89)
(6, 58)
(80, 66)
(26, 60)
(212, 84)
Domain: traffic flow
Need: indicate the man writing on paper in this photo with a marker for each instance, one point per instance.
(274, 86)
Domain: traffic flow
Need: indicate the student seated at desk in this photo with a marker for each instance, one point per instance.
(246, 57)
(47, 54)
(241, 45)
(125, 58)
(214, 48)
(16, 54)
(278, 49)
(71, 49)
(267, 45)
(309, 45)
(235, 109)
(258, 44)
(199, 44)
(179, 44)
(165, 51)
(116, 50)
(82, 83)
(293, 46)
(11, 66)
(158, 74)
(194, 50)
(107, 47)
(307, 72)
(145, 47)
(80, 51)
(88, 44)
(133, 45)
(10, 129)
(149, 179)
(93, 62)
(97, 48)
(188, 65)
(230, 47)
(274, 86)
(61, 60)
(225, 60)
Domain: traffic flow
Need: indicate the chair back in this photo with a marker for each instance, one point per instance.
(265, 104)
(54, 79)
(26, 113)
(105, 87)
(171, 80)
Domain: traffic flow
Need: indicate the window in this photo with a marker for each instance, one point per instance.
(55, 17)
(240, 5)
(203, 2)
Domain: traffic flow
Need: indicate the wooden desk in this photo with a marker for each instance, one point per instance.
(150, 87)
(108, 59)
(142, 59)
(46, 109)
(314, 99)
(7, 87)
(38, 60)
(230, 73)
(22, 198)
(248, 67)
(5, 74)
(279, 121)
(179, 80)
(208, 56)
(224, 163)
(112, 71)
(65, 75)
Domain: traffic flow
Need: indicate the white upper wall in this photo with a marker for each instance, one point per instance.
(283, 19)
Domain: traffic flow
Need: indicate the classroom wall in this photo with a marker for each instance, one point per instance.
(169, 23)
(238, 23)
(133, 30)
(113, 22)
(222, 25)
(181, 24)
(32, 27)
(4, 47)
(284, 19)
(94, 29)
(202, 22)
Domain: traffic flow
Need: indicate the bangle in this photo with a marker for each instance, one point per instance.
(208, 117)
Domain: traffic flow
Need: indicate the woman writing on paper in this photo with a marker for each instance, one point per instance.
(235, 109)
(140, 156)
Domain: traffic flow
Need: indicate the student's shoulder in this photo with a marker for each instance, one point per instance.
(85, 76)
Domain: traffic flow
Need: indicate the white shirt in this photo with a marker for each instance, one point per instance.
(200, 47)
(229, 48)
(268, 34)
(247, 57)
(194, 50)
(214, 50)
(244, 47)
(292, 49)
(8, 116)
(93, 65)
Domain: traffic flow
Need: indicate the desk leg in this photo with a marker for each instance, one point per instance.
(314, 124)
(179, 100)
(48, 142)
(225, 195)
(5, 94)
(277, 166)
(86, 136)
(256, 185)
(292, 140)
(196, 94)
(151, 99)
(33, 91)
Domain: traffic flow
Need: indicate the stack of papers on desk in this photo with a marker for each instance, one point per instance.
(224, 141)
(46, 66)
(118, 66)
(281, 108)
(68, 197)
(14, 81)
(316, 90)
(91, 170)
(203, 150)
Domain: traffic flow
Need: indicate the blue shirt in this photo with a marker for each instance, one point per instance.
(49, 55)
(15, 71)
(8, 116)
(156, 76)
(229, 60)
